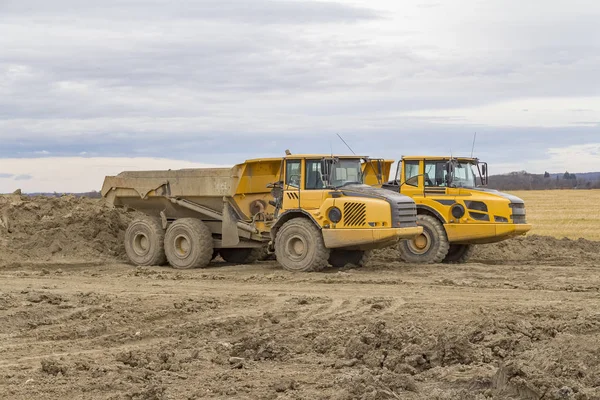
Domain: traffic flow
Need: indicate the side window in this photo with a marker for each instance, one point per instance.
(435, 173)
(313, 175)
(292, 173)
(411, 173)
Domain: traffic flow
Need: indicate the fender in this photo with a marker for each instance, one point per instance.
(432, 211)
(289, 214)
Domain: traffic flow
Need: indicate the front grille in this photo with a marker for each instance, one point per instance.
(404, 214)
(355, 214)
(518, 216)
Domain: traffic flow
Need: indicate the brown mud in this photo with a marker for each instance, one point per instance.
(521, 321)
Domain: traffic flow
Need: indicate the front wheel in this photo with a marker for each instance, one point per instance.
(299, 246)
(459, 253)
(430, 247)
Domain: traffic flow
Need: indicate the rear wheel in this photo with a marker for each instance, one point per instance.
(188, 244)
(459, 253)
(241, 256)
(299, 246)
(430, 247)
(340, 258)
(144, 242)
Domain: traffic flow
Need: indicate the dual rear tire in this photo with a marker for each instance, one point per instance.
(187, 243)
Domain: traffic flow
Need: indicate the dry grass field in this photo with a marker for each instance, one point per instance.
(563, 213)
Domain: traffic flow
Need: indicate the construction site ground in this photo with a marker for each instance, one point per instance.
(521, 321)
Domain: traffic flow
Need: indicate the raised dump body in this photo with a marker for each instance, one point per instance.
(244, 211)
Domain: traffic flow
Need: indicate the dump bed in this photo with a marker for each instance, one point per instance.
(181, 183)
(153, 192)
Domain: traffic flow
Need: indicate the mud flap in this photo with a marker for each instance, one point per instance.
(229, 228)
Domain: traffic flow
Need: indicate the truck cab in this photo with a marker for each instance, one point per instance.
(455, 208)
(353, 217)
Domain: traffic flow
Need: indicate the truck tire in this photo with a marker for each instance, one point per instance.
(340, 258)
(144, 242)
(241, 256)
(299, 246)
(188, 244)
(430, 247)
(459, 253)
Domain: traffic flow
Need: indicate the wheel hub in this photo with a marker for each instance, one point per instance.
(182, 246)
(421, 244)
(296, 248)
(141, 244)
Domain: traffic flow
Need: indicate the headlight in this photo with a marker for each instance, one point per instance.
(458, 211)
(334, 214)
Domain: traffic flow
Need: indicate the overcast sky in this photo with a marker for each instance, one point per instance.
(92, 88)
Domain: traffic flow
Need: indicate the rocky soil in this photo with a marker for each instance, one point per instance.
(522, 321)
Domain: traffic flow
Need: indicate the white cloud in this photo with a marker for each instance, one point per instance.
(75, 174)
(575, 158)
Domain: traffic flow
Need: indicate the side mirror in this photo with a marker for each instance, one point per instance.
(483, 170)
(449, 172)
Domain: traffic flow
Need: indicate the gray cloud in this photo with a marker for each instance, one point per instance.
(240, 11)
(23, 177)
(6, 176)
(197, 79)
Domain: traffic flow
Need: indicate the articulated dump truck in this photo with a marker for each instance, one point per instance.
(454, 208)
(311, 211)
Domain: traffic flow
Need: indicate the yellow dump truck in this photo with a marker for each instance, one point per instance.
(310, 210)
(454, 208)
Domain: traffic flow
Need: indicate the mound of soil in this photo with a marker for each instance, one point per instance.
(74, 229)
(62, 229)
(525, 249)
(538, 248)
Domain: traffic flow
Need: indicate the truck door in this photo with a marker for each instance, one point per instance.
(314, 186)
(435, 178)
(292, 184)
(411, 178)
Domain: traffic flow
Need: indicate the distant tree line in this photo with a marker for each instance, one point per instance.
(523, 180)
(92, 195)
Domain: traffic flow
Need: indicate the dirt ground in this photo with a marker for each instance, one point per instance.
(522, 321)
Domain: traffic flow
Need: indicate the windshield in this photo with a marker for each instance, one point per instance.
(332, 173)
(464, 176)
(345, 172)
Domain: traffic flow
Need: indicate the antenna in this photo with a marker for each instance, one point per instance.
(346, 143)
(473, 148)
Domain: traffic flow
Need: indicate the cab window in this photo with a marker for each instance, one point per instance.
(292, 173)
(314, 177)
(435, 173)
(411, 173)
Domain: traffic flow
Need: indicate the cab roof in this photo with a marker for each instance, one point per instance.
(301, 156)
(439, 158)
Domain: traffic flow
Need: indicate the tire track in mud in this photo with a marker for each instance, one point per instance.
(371, 333)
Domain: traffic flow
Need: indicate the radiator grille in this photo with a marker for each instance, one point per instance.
(355, 214)
(518, 213)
